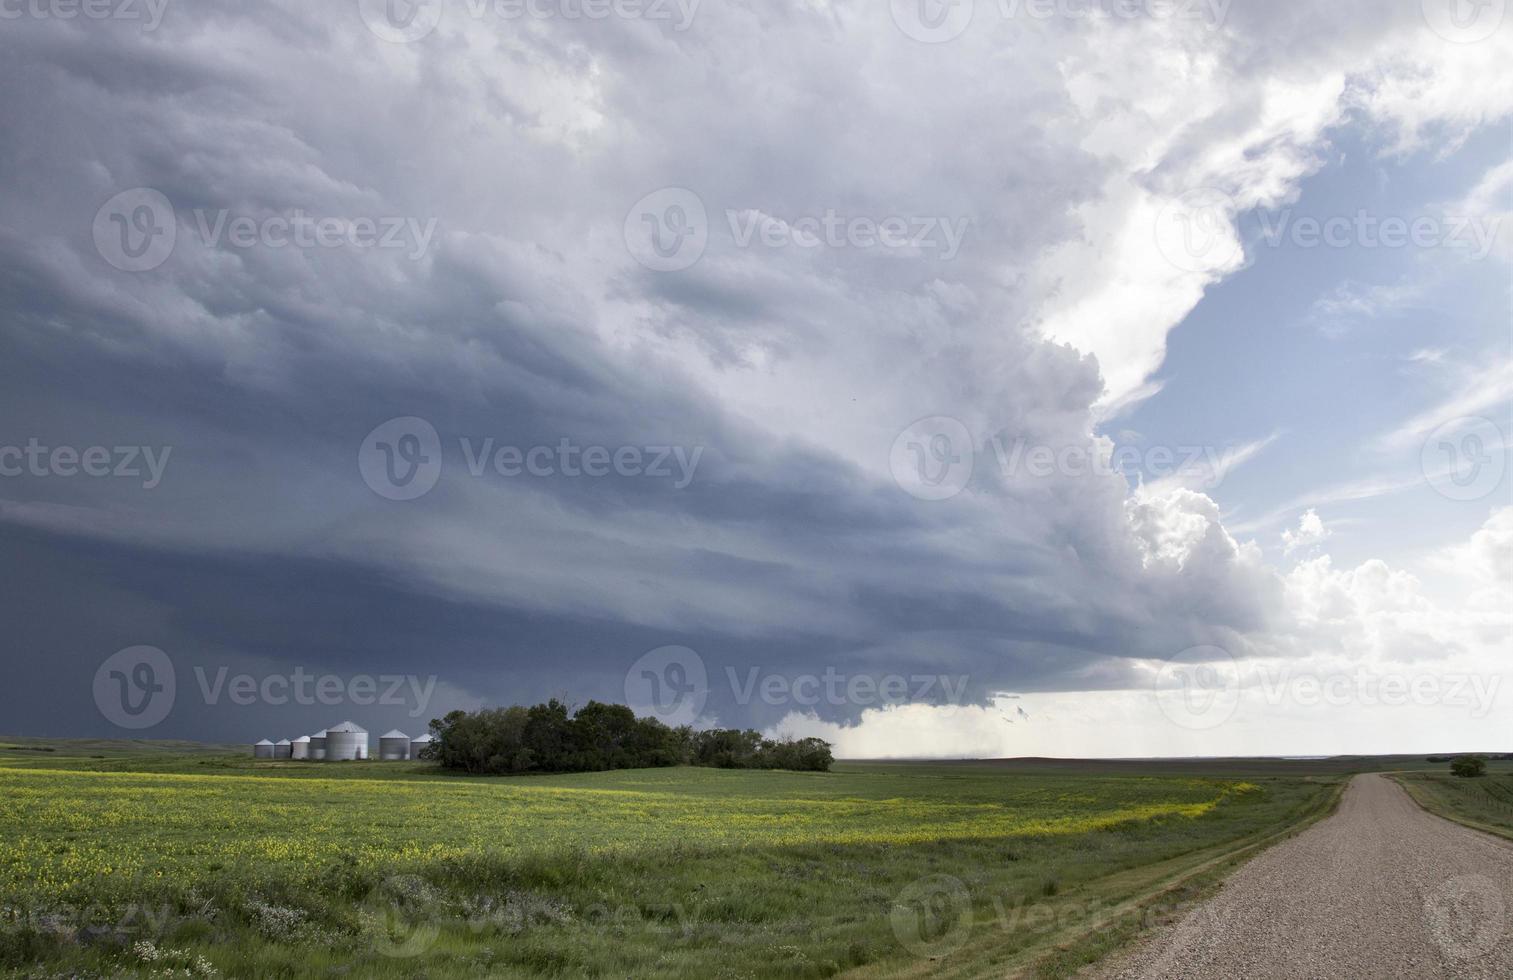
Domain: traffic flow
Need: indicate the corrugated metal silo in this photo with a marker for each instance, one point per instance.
(394, 745)
(318, 745)
(420, 742)
(346, 742)
(283, 749)
(262, 749)
(300, 748)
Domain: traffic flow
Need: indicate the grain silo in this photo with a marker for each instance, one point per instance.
(346, 742)
(283, 749)
(300, 748)
(394, 745)
(419, 743)
(318, 745)
(262, 749)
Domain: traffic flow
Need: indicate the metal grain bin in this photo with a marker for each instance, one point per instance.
(262, 750)
(300, 748)
(420, 742)
(346, 742)
(394, 745)
(283, 749)
(318, 745)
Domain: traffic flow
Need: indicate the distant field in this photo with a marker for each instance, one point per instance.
(1485, 803)
(1340, 765)
(71, 748)
(391, 870)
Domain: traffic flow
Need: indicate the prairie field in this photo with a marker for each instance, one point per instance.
(1485, 803)
(142, 864)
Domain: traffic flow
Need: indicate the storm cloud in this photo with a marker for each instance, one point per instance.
(446, 229)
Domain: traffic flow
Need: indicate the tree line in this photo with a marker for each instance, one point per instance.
(548, 738)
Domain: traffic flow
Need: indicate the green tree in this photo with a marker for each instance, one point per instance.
(550, 737)
(544, 738)
(1469, 766)
(605, 735)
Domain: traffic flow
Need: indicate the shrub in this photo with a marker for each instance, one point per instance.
(1469, 766)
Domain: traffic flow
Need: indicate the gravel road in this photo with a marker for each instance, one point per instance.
(1379, 890)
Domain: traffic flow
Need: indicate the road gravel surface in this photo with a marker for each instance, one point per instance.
(1380, 889)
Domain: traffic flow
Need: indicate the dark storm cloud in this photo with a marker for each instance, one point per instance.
(526, 322)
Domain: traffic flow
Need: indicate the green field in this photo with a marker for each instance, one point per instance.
(392, 870)
(1485, 803)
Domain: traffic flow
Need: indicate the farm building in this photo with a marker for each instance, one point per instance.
(394, 745)
(346, 742)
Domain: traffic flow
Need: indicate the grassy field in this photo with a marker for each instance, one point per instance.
(1485, 803)
(392, 870)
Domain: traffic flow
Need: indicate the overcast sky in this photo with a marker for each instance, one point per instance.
(994, 378)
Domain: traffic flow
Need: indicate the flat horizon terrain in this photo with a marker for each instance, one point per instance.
(1230, 765)
(1289, 764)
(299, 869)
